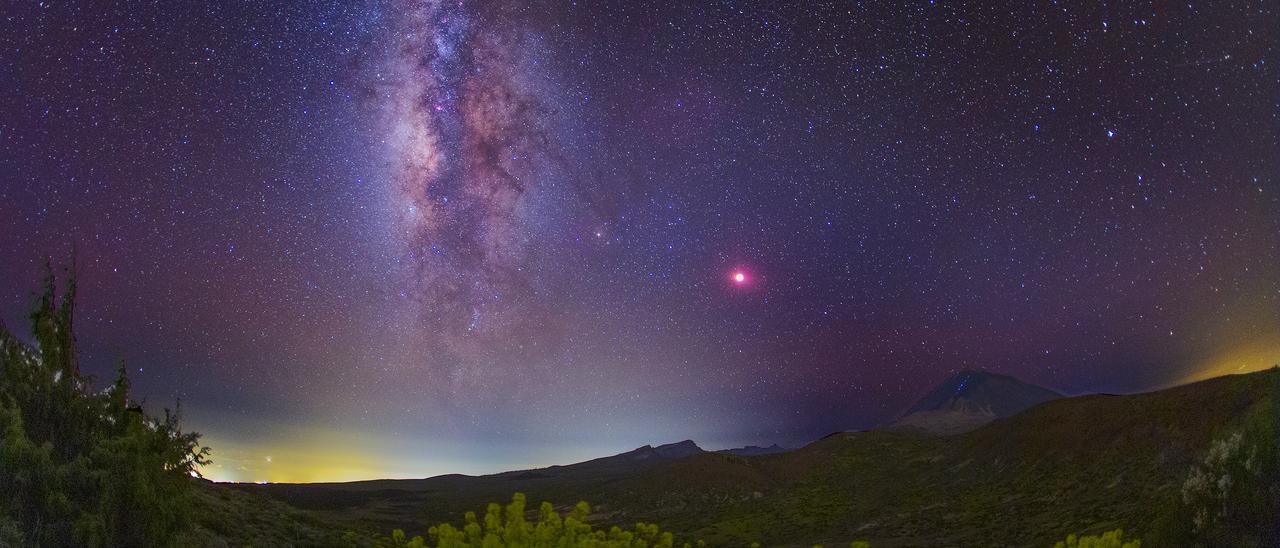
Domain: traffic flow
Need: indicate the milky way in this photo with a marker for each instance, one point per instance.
(469, 150)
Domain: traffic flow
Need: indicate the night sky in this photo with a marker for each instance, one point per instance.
(398, 239)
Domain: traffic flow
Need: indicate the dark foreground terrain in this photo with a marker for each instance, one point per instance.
(1073, 465)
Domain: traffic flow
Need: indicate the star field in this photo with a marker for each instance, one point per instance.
(390, 238)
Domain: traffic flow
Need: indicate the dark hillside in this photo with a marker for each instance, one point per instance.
(1084, 464)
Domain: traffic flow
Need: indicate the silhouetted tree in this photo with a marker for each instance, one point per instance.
(78, 467)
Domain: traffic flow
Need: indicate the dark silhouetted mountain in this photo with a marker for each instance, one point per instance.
(970, 399)
(638, 456)
(755, 450)
(678, 450)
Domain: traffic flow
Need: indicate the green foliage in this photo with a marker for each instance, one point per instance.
(78, 467)
(1110, 539)
(1231, 497)
(509, 527)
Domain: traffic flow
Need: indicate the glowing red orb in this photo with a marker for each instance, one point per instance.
(739, 277)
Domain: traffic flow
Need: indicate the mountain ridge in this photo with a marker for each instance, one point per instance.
(754, 450)
(1111, 460)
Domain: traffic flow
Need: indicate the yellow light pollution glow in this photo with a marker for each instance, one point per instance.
(1252, 356)
(307, 456)
(289, 453)
(1250, 341)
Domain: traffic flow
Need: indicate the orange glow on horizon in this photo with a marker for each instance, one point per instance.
(1249, 357)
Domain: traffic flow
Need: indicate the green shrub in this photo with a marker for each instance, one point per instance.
(508, 527)
(1231, 497)
(1110, 539)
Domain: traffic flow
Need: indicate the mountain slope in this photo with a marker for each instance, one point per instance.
(388, 504)
(970, 399)
(1084, 464)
